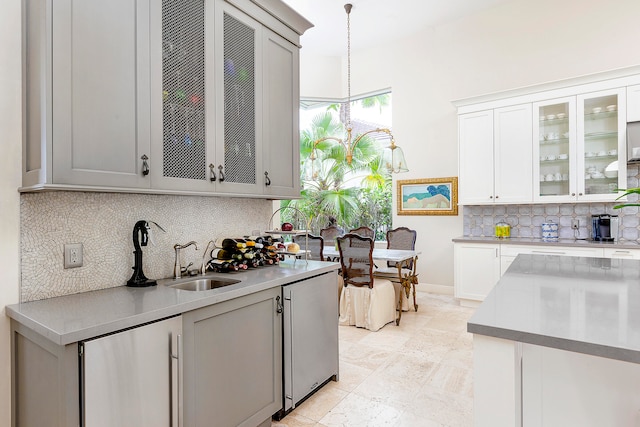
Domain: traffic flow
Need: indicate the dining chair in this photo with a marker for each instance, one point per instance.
(366, 302)
(364, 231)
(329, 235)
(314, 244)
(401, 238)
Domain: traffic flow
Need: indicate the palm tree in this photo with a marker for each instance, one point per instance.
(328, 188)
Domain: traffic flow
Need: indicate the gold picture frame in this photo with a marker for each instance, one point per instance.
(428, 196)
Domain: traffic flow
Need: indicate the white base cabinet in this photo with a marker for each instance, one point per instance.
(479, 266)
(477, 269)
(517, 384)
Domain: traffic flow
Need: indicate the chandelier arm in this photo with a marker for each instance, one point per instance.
(379, 130)
(327, 138)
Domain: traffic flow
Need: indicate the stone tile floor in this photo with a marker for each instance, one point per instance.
(418, 374)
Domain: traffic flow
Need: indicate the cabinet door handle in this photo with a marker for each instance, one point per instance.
(279, 307)
(145, 165)
(177, 403)
(549, 252)
(213, 172)
(267, 180)
(220, 174)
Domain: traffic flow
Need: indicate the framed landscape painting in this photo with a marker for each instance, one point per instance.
(428, 196)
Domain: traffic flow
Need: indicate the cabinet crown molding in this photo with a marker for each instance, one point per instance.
(554, 89)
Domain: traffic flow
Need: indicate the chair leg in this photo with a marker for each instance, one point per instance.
(414, 282)
(399, 308)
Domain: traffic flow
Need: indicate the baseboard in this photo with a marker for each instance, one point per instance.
(435, 289)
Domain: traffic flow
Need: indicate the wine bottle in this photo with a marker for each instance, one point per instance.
(223, 266)
(227, 243)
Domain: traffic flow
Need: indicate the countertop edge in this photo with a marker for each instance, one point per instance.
(592, 349)
(539, 242)
(210, 298)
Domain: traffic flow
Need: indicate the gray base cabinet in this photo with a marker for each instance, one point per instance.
(126, 378)
(233, 361)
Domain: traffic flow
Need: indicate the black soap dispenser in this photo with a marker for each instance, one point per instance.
(140, 238)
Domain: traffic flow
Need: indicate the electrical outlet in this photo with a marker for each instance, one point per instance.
(73, 255)
(575, 224)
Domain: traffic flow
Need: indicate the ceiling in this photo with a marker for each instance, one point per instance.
(375, 21)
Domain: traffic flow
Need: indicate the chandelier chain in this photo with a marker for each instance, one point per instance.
(348, 107)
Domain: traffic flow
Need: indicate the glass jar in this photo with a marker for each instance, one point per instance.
(502, 230)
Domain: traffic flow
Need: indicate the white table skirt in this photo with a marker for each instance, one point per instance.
(369, 308)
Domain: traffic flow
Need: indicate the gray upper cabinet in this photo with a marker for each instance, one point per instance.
(281, 153)
(182, 77)
(162, 96)
(86, 93)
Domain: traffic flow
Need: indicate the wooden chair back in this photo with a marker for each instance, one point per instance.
(314, 244)
(401, 238)
(329, 234)
(364, 231)
(356, 259)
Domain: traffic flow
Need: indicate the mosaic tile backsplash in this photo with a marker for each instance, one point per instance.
(526, 220)
(103, 223)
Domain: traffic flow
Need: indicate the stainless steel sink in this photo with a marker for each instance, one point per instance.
(204, 284)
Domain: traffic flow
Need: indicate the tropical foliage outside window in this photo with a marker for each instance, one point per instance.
(354, 195)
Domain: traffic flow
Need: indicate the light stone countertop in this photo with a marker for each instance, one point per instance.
(539, 242)
(76, 317)
(579, 304)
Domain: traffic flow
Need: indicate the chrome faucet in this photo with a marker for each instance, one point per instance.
(203, 269)
(177, 268)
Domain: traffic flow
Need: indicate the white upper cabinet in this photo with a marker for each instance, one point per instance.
(495, 156)
(601, 151)
(633, 103)
(87, 94)
(475, 152)
(171, 96)
(556, 144)
(580, 148)
(554, 150)
(513, 153)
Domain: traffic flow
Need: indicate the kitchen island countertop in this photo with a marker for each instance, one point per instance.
(76, 317)
(583, 305)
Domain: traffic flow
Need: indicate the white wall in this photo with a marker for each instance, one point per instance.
(10, 167)
(516, 44)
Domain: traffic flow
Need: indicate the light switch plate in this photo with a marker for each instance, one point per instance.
(73, 255)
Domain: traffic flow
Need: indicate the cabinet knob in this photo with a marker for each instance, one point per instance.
(145, 165)
(573, 194)
(497, 197)
(220, 173)
(267, 180)
(491, 197)
(579, 194)
(213, 172)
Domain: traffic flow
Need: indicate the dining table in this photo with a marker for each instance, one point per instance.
(402, 258)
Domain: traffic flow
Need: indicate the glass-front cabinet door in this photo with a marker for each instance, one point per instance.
(554, 159)
(601, 157)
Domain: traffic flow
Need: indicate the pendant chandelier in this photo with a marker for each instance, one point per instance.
(393, 157)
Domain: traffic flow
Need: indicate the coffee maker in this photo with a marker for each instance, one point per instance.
(604, 227)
